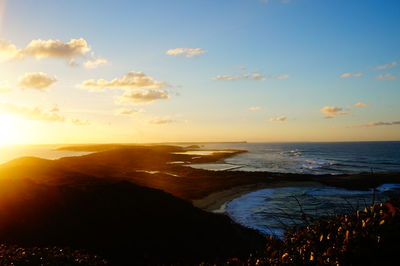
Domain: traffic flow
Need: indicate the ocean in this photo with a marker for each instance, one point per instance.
(316, 158)
(273, 211)
(270, 211)
(50, 152)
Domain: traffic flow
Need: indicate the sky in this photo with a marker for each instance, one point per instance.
(102, 71)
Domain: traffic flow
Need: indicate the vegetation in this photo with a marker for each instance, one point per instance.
(367, 237)
(17, 256)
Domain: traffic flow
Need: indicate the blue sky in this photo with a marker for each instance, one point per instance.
(300, 49)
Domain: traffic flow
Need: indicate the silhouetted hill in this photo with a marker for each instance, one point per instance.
(120, 221)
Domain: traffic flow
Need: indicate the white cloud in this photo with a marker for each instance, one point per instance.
(349, 75)
(128, 81)
(187, 52)
(362, 104)
(255, 108)
(388, 76)
(379, 123)
(95, 63)
(142, 96)
(279, 119)
(38, 80)
(387, 66)
(282, 76)
(332, 111)
(254, 76)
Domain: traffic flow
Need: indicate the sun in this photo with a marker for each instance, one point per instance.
(8, 130)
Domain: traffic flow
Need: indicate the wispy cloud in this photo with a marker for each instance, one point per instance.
(32, 113)
(254, 76)
(95, 63)
(130, 80)
(79, 122)
(388, 76)
(349, 75)
(362, 104)
(279, 119)
(162, 120)
(332, 111)
(187, 52)
(38, 114)
(255, 108)
(38, 80)
(282, 76)
(128, 111)
(379, 123)
(387, 66)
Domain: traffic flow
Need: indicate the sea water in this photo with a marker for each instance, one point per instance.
(273, 211)
(316, 158)
(50, 152)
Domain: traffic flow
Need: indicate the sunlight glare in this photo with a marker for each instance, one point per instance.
(8, 130)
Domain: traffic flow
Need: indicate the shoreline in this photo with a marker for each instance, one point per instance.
(216, 202)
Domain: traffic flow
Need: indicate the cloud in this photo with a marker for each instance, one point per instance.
(283, 76)
(254, 76)
(279, 119)
(127, 111)
(95, 63)
(388, 76)
(354, 75)
(38, 80)
(142, 96)
(387, 66)
(38, 114)
(54, 49)
(32, 113)
(332, 111)
(162, 120)
(255, 108)
(128, 81)
(7, 49)
(187, 52)
(379, 123)
(361, 104)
